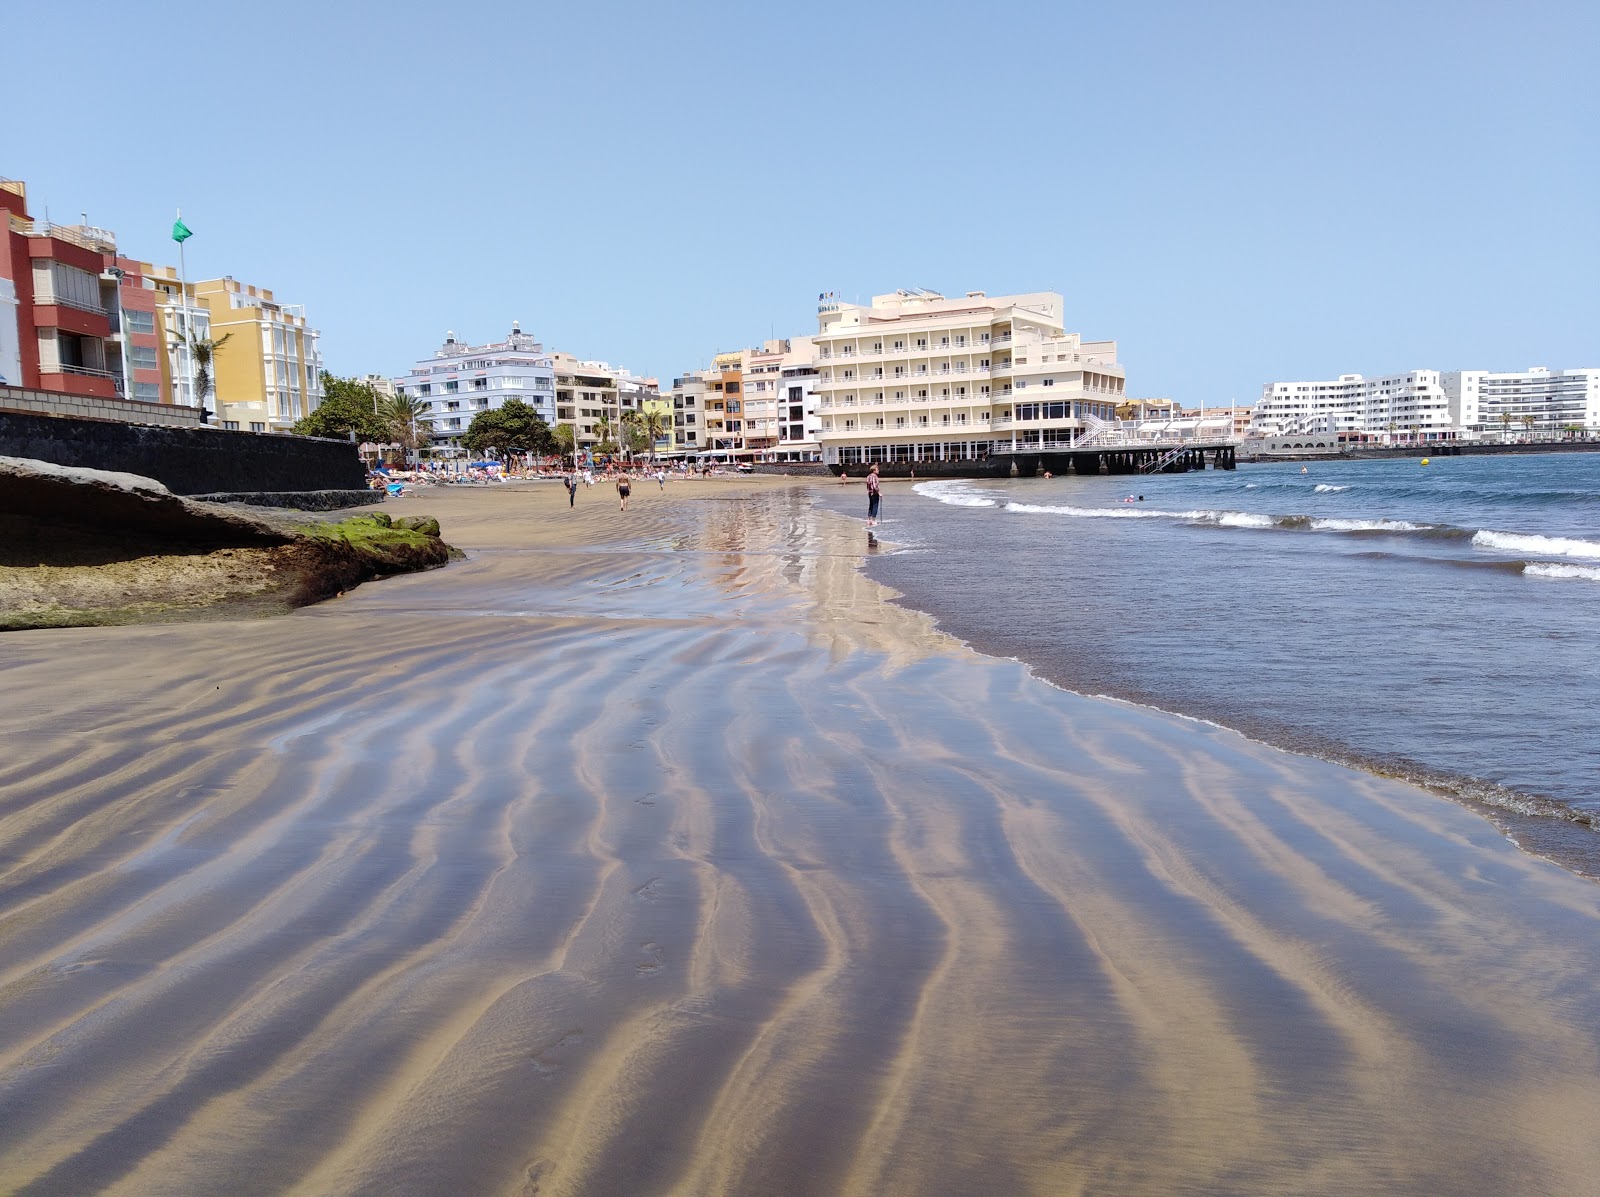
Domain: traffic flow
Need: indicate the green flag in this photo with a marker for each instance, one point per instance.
(180, 231)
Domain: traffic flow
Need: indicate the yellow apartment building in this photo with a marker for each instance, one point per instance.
(268, 375)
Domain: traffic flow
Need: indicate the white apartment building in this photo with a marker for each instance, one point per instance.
(1411, 406)
(780, 402)
(915, 376)
(1536, 401)
(799, 424)
(762, 370)
(459, 381)
(589, 397)
(688, 409)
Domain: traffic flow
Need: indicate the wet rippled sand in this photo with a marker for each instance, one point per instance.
(685, 863)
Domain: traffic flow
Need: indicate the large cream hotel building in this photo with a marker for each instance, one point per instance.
(919, 377)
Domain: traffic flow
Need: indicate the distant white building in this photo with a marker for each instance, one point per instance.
(1411, 406)
(919, 377)
(1537, 400)
(459, 381)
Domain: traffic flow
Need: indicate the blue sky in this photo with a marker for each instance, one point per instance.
(1236, 192)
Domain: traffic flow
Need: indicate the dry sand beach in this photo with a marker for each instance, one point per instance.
(663, 854)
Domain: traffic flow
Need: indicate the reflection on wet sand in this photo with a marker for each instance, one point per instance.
(667, 856)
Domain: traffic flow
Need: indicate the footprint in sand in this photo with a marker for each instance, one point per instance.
(650, 891)
(651, 951)
(547, 1059)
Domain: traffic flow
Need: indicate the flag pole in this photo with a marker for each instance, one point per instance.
(188, 323)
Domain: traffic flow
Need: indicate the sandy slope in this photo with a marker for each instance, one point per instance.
(659, 854)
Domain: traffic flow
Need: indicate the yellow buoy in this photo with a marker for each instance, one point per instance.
(1424, 461)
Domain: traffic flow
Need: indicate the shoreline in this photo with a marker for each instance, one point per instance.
(1544, 826)
(666, 853)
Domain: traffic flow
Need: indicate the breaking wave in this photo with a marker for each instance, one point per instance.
(957, 494)
(1559, 570)
(1540, 546)
(1322, 488)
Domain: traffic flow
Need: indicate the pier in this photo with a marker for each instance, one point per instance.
(906, 461)
(1130, 459)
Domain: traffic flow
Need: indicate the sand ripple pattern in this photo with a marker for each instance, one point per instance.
(686, 863)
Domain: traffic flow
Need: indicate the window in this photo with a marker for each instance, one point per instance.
(922, 342)
(1049, 382)
(257, 426)
(452, 387)
(231, 425)
(139, 322)
(144, 357)
(148, 392)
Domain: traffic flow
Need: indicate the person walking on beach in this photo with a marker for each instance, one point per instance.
(624, 489)
(874, 495)
(661, 479)
(572, 489)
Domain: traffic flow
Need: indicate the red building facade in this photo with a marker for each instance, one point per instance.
(62, 301)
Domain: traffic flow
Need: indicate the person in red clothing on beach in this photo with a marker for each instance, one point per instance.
(874, 495)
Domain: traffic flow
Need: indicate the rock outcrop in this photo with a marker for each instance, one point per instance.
(83, 547)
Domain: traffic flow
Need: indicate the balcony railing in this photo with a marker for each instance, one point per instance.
(86, 371)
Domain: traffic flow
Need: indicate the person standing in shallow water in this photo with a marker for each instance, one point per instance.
(624, 489)
(874, 495)
(572, 489)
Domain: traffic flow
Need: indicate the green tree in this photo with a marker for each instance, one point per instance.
(1528, 421)
(635, 434)
(604, 427)
(404, 417)
(348, 409)
(1505, 424)
(514, 427)
(204, 351)
(657, 425)
(565, 437)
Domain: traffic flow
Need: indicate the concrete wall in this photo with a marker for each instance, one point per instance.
(189, 461)
(84, 407)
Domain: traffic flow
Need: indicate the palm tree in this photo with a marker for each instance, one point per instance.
(1505, 425)
(604, 427)
(656, 427)
(1528, 421)
(404, 415)
(204, 351)
(636, 432)
(566, 439)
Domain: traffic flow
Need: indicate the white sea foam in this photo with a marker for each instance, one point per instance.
(1555, 569)
(956, 494)
(1378, 525)
(1322, 488)
(1542, 546)
(1105, 513)
(1237, 519)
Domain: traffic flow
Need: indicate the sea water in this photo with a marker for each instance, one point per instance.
(1441, 622)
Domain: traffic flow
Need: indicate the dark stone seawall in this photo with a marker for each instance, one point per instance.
(187, 461)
